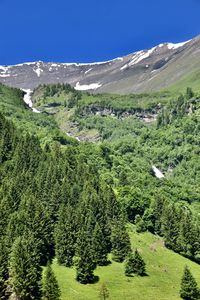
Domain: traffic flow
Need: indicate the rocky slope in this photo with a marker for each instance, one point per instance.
(145, 70)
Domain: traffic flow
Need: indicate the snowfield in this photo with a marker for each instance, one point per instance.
(85, 87)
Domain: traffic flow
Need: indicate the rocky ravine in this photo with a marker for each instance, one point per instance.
(141, 71)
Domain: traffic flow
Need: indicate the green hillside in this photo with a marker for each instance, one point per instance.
(81, 204)
(42, 125)
(192, 80)
(164, 271)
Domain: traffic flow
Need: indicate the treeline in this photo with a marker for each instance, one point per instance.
(176, 223)
(53, 202)
(56, 94)
(185, 104)
(51, 90)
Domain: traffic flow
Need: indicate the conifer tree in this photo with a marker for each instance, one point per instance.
(85, 262)
(129, 264)
(51, 289)
(25, 270)
(65, 236)
(120, 240)
(3, 268)
(99, 246)
(189, 289)
(138, 265)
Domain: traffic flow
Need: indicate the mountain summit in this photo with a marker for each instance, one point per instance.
(142, 71)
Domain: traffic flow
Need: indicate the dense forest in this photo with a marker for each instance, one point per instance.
(73, 201)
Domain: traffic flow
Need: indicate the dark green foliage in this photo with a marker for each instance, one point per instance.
(177, 108)
(85, 261)
(99, 246)
(71, 196)
(3, 268)
(65, 236)
(120, 241)
(189, 289)
(135, 264)
(50, 289)
(129, 264)
(189, 93)
(25, 270)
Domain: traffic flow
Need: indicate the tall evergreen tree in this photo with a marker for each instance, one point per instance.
(25, 270)
(189, 289)
(85, 262)
(51, 289)
(65, 236)
(120, 240)
(99, 246)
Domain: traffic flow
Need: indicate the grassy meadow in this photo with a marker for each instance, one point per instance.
(164, 272)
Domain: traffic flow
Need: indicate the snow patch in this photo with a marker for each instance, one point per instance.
(85, 87)
(176, 46)
(5, 69)
(157, 172)
(124, 67)
(88, 71)
(141, 55)
(4, 75)
(28, 101)
(138, 56)
(38, 71)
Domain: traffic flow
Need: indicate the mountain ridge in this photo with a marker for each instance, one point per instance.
(141, 71)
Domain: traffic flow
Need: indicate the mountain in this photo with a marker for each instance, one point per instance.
(142, 71)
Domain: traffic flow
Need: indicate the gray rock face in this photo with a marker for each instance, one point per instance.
(141, 71)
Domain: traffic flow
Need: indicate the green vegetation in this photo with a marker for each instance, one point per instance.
(164, 269)
(189, 289)
(135, 264)
(50, 289)
(70, 202)
(40, 124)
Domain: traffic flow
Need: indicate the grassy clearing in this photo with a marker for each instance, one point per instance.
(192, 80)
(164, 269)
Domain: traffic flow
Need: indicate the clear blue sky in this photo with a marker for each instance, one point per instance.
(89, 30)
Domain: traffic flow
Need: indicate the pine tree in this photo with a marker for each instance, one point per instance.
(138, 265)
(50, 285)
(189, 289)
(120, 240)
(25, 270)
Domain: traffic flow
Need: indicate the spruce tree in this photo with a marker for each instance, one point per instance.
(129, 264)
(189, 289)
(65, 236)
(120, 240)
(138, 265)
(25, 270)
(51, 289)
(85, 257)
(99, 246)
